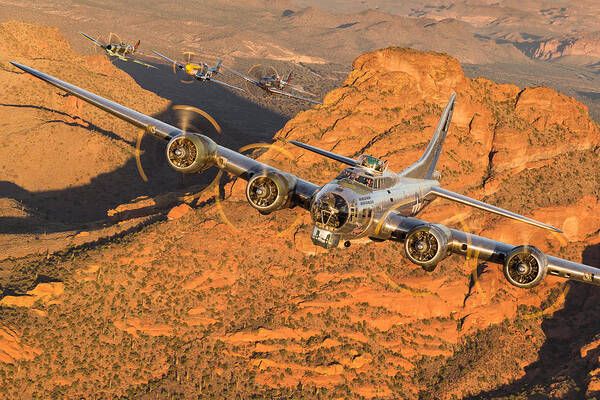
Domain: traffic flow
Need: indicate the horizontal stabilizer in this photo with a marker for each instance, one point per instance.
(337, 157)
(446, 194)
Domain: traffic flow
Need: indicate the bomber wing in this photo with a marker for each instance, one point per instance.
(295, 96)
(459, 198)
(229, 160)
(519, 262)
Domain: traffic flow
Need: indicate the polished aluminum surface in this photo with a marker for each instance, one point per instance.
(459, 198)
(424, 168)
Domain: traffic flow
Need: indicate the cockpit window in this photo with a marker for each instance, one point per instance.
(346, 174)
(330, 209)
(365, 180)
(353, 176)
(371, 162)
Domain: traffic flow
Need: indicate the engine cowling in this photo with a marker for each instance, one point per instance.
(525, 266)
(427, 245)
(190, 153)
(269, 191)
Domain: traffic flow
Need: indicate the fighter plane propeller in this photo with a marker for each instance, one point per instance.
(264, 81)
(119, 49)
(200, 71)
(365, 200)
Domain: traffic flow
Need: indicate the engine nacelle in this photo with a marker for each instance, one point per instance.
(269, 191)
(525, 266)
(427, 245)
(190, 153)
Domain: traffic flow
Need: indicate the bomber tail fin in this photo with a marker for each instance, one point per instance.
(218, 67)
(424, 168)
(136, 45)
(289, 77)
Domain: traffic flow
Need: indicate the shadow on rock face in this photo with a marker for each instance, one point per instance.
(59, 210)
(571, 350)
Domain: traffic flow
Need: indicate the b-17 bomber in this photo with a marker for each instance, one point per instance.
(121, 50)
(366, 200)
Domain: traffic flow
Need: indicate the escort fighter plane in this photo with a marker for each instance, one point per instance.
(365, 200)
(121, 50)
(269, 82)
(201, 72)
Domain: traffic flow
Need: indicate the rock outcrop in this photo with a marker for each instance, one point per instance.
(228, 303)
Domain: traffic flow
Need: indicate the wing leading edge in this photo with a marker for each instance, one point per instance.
(177, 64)
(243, 76)
(229, 160)
(140, 62)
(295, 96)
(225, 84)
(447, 194)
(93, 40)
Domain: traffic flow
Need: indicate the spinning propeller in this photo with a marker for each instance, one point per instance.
(189, 119)
(257, 72)
(260, 190)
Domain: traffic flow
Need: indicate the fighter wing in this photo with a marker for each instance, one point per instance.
(300, 89)
(140, 62)
(93, 40)
(246, 77)
(225, 84)
(524, 266)
(295, 96)
(179, 65)
(229, 160)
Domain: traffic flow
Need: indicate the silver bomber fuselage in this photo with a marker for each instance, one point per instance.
(369, 208)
